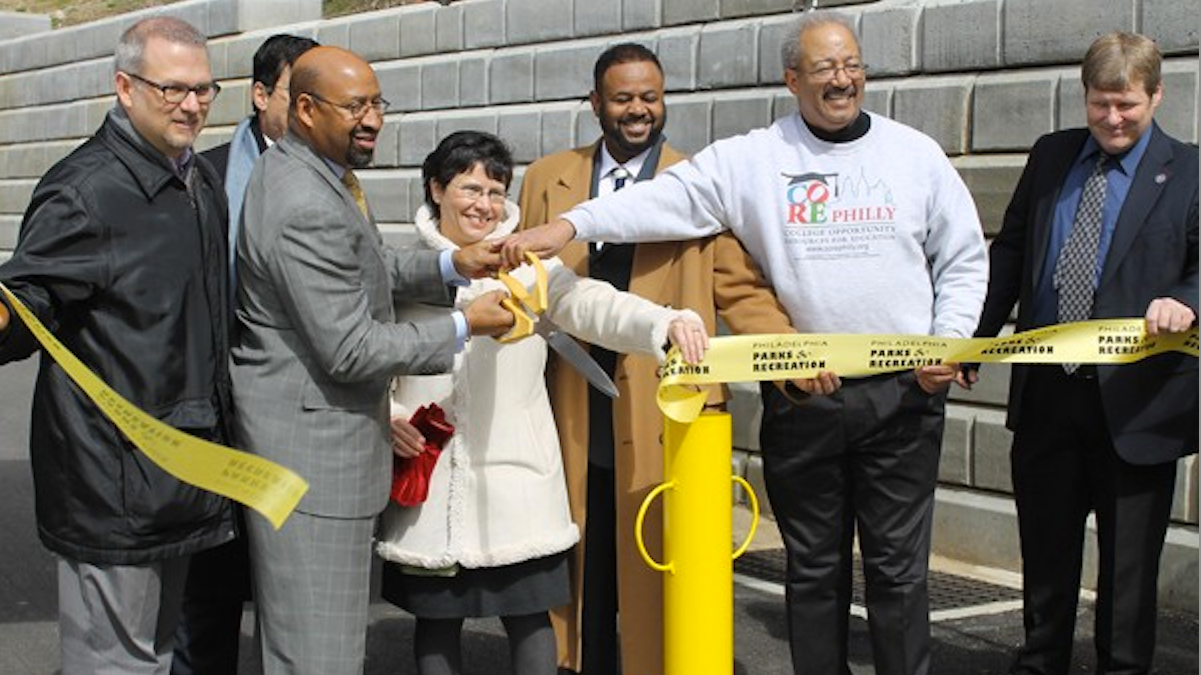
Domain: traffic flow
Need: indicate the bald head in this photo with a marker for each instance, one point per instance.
(336, 105)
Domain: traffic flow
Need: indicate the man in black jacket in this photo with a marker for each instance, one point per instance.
(122, 255)
(1121, 198)
(219, 579)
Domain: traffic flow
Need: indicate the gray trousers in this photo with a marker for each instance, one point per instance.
(119, 619)
(311, 579)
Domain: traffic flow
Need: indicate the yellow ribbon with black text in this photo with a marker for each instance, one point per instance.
(262, 485)
(754, 358)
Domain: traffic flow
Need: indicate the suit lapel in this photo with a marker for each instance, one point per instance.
(1059, 164)
(1150, 179)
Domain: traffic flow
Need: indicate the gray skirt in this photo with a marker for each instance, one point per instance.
(522, 588)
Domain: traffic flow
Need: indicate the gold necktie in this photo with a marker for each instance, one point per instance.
(351, 182)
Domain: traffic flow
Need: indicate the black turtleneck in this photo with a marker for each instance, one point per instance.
(853, 131)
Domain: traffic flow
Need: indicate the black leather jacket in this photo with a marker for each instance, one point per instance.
(126, 266)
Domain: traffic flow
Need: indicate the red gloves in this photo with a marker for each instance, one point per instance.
(411, 476)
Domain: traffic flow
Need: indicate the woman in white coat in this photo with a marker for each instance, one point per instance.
(492, 536)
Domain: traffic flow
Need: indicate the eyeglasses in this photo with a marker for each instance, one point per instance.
(357, 109)
(472, 193)
(177, 93)
(829, 71)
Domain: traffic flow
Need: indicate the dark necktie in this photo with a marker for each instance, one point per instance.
(351, 182)
(1075, 270)
(620, 176)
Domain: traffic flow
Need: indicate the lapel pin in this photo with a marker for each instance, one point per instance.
(1160, 178)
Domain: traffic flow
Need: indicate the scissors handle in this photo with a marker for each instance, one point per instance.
(521, 300)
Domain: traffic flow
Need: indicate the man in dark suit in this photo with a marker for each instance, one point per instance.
(206, 642)
(1121, 196)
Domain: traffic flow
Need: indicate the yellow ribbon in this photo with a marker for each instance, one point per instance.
(754, 358)
(262, 485)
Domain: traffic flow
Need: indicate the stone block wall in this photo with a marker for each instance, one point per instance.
(984, 78)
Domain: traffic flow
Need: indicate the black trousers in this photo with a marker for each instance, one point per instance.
(866, 459)
(598, 629)
(1064, 466)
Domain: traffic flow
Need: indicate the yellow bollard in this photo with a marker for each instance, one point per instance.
(698, 593)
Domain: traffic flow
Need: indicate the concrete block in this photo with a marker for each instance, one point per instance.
(991, 442)
(992, 389)
(334, 33)
(891, 39)
(960, 35)
(97, 111)
(1071, 100)
(877, 97)
(219, 62)
(558, 124)
(15, 194)
(211, 137)
(1178, 570)
(738, 460)
(522, 129)
(400, 83)
(740, 112)
(68, 121)
(20, 24)
(511, 77)
(387, 144)
(418, 136)
(529, 21)
(515, 185)
(564, 71)
(1172, 23)
(596, 17)
(783, 103)
(222, 17)
(448, 29)
(588, 129)
(484, 24)
(727, 56)
(732, 9)
(56, 152)
(232, 104)
(955, 462)
(401, 235)
(10, 225)
(976, 528)
(676, 12)
(375, 36)
(440, 83)
(1184, 500)
(1036, 31)
(640, 14)
(1011, 111)
(937, 106)
(417, 29)
(473, 80)
(772, 33)
(678, 53)
(746, 411)
(274, 13)
(1177, 112)
(474, 121)
(691, 127)
(387, 193)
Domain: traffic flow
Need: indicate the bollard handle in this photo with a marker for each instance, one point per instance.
(750, 492)
(646, 503)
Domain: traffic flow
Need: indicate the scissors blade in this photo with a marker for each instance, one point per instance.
(577, 356)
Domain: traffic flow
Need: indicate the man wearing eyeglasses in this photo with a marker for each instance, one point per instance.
(210, 627)
(862, 226)
(315, 350)
(122, 255)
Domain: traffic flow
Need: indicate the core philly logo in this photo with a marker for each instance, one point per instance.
(816, 198)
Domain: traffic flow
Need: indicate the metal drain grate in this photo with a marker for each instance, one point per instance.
(947, 591)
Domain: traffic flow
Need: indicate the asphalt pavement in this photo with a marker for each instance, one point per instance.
(976, 616)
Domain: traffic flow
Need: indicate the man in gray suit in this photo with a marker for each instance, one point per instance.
(315, 351)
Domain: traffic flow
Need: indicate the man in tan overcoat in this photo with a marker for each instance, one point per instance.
(612, 449)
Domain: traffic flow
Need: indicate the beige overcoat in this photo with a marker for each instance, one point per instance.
(697, 274)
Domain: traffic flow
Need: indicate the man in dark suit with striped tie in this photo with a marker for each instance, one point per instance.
(1103, 224)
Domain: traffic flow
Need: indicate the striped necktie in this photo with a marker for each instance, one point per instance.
(351, 182)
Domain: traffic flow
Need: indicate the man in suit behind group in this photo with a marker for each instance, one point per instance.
(210, 628)
(1105, 438)
(316, 347)
(612, 452)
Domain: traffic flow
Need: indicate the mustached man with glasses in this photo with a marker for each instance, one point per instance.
(122, 255)
(317, 346)
(862, 226)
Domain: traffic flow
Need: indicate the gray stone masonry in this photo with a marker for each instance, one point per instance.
(983, 78)
(18, 24)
